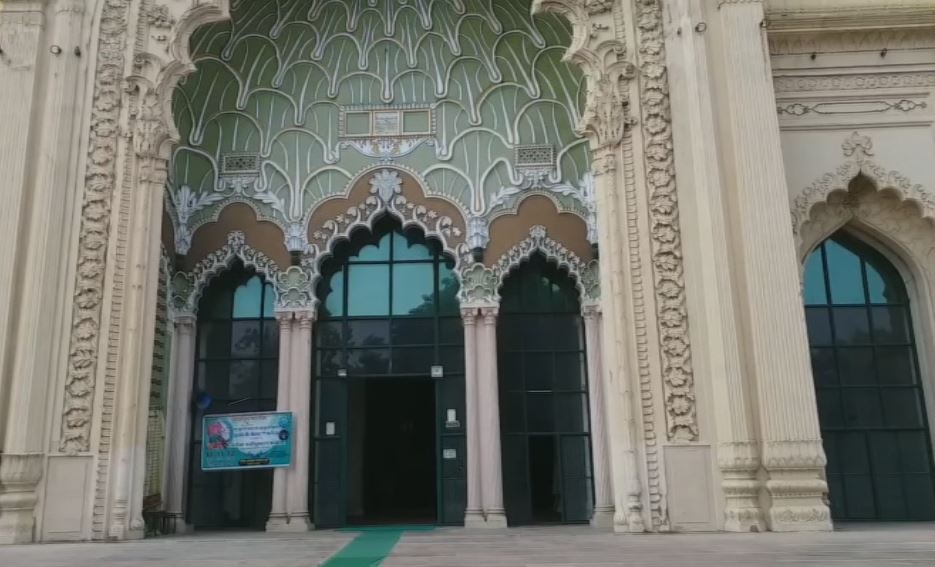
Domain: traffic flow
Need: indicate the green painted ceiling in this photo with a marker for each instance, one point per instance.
(274, 80)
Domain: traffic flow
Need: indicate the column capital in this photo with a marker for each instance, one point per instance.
(469, 315)
(591, 310)
(305, 318)
(184, 319)
(284, 318)
(489, 313)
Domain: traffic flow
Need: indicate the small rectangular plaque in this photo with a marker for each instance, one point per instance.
(329, 428)
(386, 123)
(449, 454)
(438, 372)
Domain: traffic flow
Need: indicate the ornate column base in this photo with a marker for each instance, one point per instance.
(796, 486)
(175, 524)
(628, 522)
(293, 524)
(122, 531)
(496, 520)
(739, 463)
(19, 475)
(603, 517)
(474, 519)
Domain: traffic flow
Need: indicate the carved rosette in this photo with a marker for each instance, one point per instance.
(671, 311)
(478, 286)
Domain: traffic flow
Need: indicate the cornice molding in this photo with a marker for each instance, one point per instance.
(789, 16)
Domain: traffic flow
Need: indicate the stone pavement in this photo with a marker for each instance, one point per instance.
(870, 545)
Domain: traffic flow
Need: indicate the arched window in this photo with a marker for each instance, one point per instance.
(544, 420)
(235, 371)
(868, 385)
(389, 437)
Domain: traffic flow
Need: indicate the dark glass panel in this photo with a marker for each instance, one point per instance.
(577, 499)
(890, 325)
(915, 452)
(412, 331)
(891, 503)
(902, 407)
(862, 407)
(896, 365)
(409, 248)
(448, 288)
(836, 493)
(334, 300)
(245, 339)
(513, 411)
(884, 285)
(576, 455)
(248, 299)
(510, 370)
(368, 292)
(452, 359)
(844, 275)
(413, 360)
(538, 370)
(815, 290)
(567, 332)
(510, 329)
(855, 366)
(819, 326)
(569, 371)
(571, 413)
(851, 325)
(539, 333)
(244, 380)
(368, 361)
(269, 301)
(368, 333)
(921, 501)
(413, 289)
(213, 377)
(829, 408)
(269, 379)
(270, 338)
(214, 339)
(830, 442)
(884, 452)
(540, 413)
(450, 331)
(852, 450)
(216, 303)
(859, 495)
(823, 366)
(329, 362)
(329, 334)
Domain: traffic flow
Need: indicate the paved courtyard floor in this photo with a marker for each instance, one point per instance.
(871, 545)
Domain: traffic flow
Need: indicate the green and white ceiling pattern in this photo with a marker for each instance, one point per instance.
(292, 99)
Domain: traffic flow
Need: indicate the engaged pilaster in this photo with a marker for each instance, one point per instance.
(489, 412)
(474, 512)
(179, 420)
(278, 514)
(300, 398)
(603, 489)
(19, 475)
(792, 453)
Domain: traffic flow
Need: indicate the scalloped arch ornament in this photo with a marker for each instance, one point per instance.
(858, 153)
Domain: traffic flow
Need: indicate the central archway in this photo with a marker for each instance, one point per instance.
(389, 366)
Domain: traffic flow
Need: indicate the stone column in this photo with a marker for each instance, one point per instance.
(774, 333)
(710, 287)
(278, 516)
(489, 414)
(300, 397)
(179, 420)
(473, 513)
(603, 490)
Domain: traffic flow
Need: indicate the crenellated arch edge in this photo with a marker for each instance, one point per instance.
(291, 285)
(838, 187)
(390, 191)
(480, 284)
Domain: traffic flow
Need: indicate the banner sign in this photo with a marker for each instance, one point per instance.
(246, 441)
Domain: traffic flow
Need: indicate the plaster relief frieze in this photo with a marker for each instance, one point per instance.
(850, 107)
(847, 82)
(668, 269)
(94, 229)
